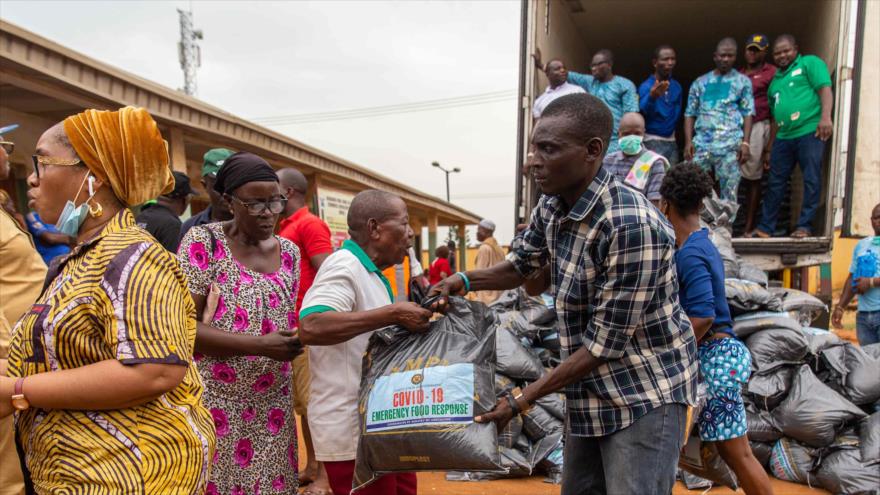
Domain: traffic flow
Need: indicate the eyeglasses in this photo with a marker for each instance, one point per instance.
(8, 146)
(274, 205)
(49, 160)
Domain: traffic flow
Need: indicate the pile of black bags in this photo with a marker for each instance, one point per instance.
(813, 400)
(526, 345)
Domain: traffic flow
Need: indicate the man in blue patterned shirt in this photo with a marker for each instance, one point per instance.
(720, 108)
(630, 366)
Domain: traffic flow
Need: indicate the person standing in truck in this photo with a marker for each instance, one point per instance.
(618, 93)
(630, 367)
(864, 280)
(800, 101)
(761, 73)
(557, 75)
(718, 120)
(634, 164)
(660, 103)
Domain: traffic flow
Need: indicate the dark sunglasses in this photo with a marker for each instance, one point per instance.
(48, 160)
(274, 205)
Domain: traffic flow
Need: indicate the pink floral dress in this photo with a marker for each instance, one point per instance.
(248, 396)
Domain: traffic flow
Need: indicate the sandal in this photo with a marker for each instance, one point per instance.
(801, 234)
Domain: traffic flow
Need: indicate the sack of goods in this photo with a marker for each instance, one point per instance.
(420, 393)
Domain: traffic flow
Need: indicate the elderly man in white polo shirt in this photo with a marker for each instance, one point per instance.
(349, 299)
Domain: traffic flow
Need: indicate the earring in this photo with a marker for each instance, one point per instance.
(95, 211)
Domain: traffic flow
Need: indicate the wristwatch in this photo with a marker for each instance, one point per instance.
(19, 401)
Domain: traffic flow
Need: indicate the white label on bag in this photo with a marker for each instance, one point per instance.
(439, 395)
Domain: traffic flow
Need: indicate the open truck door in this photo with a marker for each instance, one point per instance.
(834, 30)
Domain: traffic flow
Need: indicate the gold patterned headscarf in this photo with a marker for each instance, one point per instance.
(125, 149)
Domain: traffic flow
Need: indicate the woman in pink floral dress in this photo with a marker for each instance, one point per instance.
(244, 344)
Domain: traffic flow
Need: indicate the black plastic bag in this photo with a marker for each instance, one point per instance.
(554, 403)
(548, 358)
(869, 439)
(744, 296)
(549, 339)
(515, 360)
(762, 452)
(768, 389)
(515, 463)
(544, 447)
(702, 459)
(806, 306)
(792, 461)
(761, 428)
(862, 384)
(818, 340)
(538, 423)
(843, 471)
(776, 347)
(813, 412)
(420, 392)
(752, 273)
(749, 323)
(872, 350)
(692, 481)
(503, 385)
(511, 432)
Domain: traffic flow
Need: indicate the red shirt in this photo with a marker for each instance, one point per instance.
(440, 265)
(761, 79)
(312, 236)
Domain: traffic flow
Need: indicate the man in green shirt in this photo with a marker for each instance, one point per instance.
(800, 104)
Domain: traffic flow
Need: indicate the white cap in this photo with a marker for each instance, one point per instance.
(487, 224)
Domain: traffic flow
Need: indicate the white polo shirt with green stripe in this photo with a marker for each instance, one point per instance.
(347, 281)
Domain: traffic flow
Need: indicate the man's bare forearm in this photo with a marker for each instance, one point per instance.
(502, 276)
(334, 327)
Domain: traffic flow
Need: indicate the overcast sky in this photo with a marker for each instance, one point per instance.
(264, 59)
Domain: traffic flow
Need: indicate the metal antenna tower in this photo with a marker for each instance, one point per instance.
(188, 51)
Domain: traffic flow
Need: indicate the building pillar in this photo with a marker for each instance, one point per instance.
(432, 233)
(462, 249)
(177, 153)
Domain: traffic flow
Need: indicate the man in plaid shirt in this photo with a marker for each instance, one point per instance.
(630, 367)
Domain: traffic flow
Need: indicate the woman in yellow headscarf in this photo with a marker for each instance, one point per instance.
(107, 400)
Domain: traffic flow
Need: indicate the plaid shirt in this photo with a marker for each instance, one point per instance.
(613, 273)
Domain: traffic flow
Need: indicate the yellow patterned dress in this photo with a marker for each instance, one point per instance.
(119, 296)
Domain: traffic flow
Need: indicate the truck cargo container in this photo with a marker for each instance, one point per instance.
(835, 30)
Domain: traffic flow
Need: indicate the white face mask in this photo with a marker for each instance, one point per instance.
(72, 217)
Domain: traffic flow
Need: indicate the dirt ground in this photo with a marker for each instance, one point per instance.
(436, 484)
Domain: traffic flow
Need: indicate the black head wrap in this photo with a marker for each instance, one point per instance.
(242, 168)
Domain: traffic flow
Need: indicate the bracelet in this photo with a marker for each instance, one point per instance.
(513, 405)
(466, 280)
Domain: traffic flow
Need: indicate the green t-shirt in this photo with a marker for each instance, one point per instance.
(794, 100)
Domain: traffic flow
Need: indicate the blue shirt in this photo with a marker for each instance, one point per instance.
(720, 104)
(37, 228)
(866, 263)
(619, 94)
(661, 114)
(701, 281)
